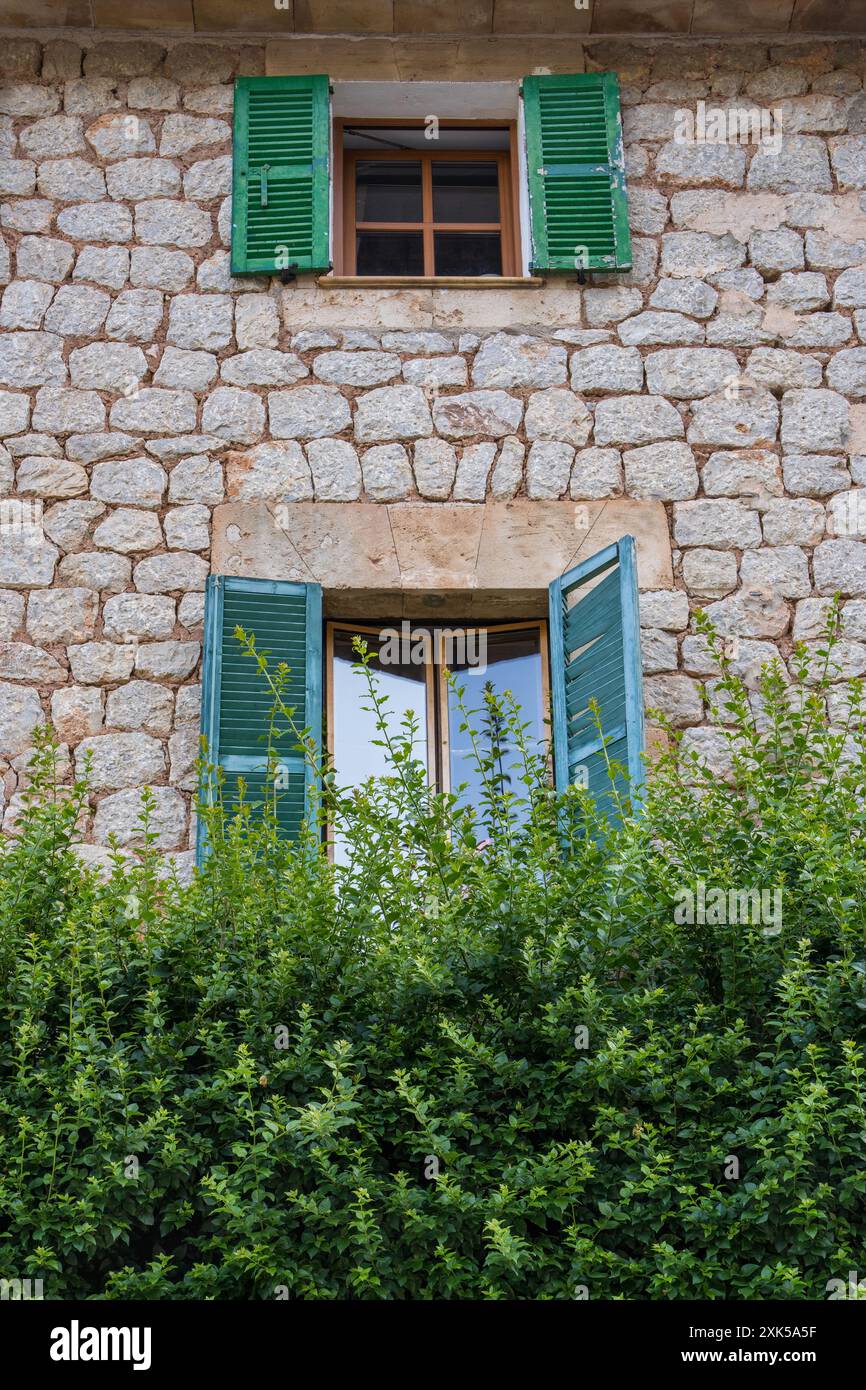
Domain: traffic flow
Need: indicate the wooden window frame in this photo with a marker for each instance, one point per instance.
(444, 733)
(438, 733)
(508, 226)
(360, 630)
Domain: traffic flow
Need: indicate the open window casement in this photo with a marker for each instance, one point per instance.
(281, 175)
(286, 620)
(576, 172)
(595, 656)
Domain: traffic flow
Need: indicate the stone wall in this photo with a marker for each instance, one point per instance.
(141, 386)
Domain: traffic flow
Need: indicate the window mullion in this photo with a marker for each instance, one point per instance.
(427, 212)
(434, 750)
(442, 732)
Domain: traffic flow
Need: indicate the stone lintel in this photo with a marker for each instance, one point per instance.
(490, 560)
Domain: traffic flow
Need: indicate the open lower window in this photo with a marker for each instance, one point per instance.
(577, 679)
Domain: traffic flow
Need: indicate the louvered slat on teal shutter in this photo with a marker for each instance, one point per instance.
(280, 178)
(576, 168)
(286, 620)
(595, 654)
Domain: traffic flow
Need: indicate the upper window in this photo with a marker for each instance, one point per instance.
(430, 199)
(420, 207)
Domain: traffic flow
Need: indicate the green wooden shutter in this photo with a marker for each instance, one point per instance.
(236, 700)
(576, 167)
(595, 654)
(280, 176)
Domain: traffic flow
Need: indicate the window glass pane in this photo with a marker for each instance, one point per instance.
(465, 191)
(389, 253)
(388, 190)
(354, 735)
(513, 663)
(467, 253)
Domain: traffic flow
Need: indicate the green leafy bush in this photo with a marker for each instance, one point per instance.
(439, 1071)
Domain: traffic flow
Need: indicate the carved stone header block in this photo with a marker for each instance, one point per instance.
(484, 561)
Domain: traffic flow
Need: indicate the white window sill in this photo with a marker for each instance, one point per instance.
(431, 282)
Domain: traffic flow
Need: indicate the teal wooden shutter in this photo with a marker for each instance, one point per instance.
(576, 167)
(236, 700)
(280, 174)
(595, 654)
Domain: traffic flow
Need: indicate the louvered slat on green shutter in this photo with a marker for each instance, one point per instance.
(280, 178)
(595, 654)
(576, 168)
(286, 619)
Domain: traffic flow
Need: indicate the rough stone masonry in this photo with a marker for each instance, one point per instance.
(141, 386)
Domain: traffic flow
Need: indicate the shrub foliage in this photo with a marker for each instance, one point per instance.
(433, 1070)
